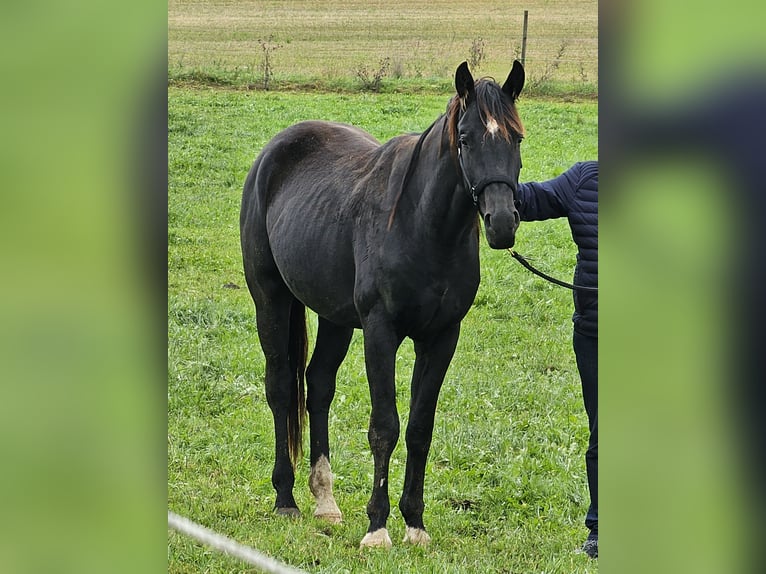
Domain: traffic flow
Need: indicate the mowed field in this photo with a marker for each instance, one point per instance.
(317, 40)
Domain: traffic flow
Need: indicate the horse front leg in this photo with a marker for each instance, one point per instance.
(380, 345)
(432, 358)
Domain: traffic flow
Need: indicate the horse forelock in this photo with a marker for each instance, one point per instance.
(497, 112)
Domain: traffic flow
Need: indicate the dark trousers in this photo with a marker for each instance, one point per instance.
(586, 353)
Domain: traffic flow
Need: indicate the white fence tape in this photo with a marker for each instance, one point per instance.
(228, 546)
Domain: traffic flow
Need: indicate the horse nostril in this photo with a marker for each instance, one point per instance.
(516, 217)
(488, 220)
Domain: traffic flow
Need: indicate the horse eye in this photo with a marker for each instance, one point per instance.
(462, 140)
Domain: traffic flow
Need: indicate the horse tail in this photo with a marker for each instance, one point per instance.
(297, 353)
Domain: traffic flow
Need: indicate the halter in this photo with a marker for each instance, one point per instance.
(478, 188)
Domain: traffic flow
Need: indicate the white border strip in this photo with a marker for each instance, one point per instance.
(228, 546)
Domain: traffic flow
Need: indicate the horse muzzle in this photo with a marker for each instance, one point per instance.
(497, 209)
(501, 220)
(500, 228)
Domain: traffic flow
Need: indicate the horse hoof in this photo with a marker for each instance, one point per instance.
(417, 536)
(377, 539)
(328, 511)
(288, 512)
(331, 517)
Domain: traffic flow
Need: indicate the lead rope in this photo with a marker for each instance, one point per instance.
(520, 258)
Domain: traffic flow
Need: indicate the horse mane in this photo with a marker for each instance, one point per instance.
(493, 104)
(410, 168)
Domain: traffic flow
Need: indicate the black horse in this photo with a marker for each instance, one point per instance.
(379, 237)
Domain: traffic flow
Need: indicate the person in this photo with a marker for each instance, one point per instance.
(574, 195)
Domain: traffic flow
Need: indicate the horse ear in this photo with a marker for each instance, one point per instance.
(463, 81)
(515, 81)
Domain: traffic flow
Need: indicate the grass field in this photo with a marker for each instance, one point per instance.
(333, 44)
(505, 484)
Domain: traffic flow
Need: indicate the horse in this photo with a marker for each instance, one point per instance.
(382, 238)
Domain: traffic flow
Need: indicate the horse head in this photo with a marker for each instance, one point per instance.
(486, 134)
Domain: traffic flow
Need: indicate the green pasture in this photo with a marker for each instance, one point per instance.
(505, 485)
(344, 44)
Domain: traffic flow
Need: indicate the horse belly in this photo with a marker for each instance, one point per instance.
(327, 297)
(318, 269)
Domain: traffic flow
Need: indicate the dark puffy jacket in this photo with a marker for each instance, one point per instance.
(574, 195)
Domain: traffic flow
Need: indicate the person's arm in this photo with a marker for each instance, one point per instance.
(548, 199)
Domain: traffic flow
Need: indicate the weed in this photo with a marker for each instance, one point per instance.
(416, 58)
(517, 51)
(397, 69)
(268, 47)
(372, 79)
(551, 66)
(583, 73)
(476, 53)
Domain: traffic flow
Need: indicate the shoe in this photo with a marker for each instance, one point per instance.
(590, 546)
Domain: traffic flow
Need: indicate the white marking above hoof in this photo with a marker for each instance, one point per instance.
(377, 539)
(320, 483)
(417, 536)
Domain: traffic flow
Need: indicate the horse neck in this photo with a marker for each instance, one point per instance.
(442, 207)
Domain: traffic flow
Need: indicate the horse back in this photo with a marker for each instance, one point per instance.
(307, 157)
(300, 204)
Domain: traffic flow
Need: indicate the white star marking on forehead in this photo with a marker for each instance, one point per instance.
(492, 126)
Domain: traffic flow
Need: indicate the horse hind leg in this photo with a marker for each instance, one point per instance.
(281, 322)
(330, 349)
(279, 318)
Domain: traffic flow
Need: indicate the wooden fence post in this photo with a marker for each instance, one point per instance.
(524, 38)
